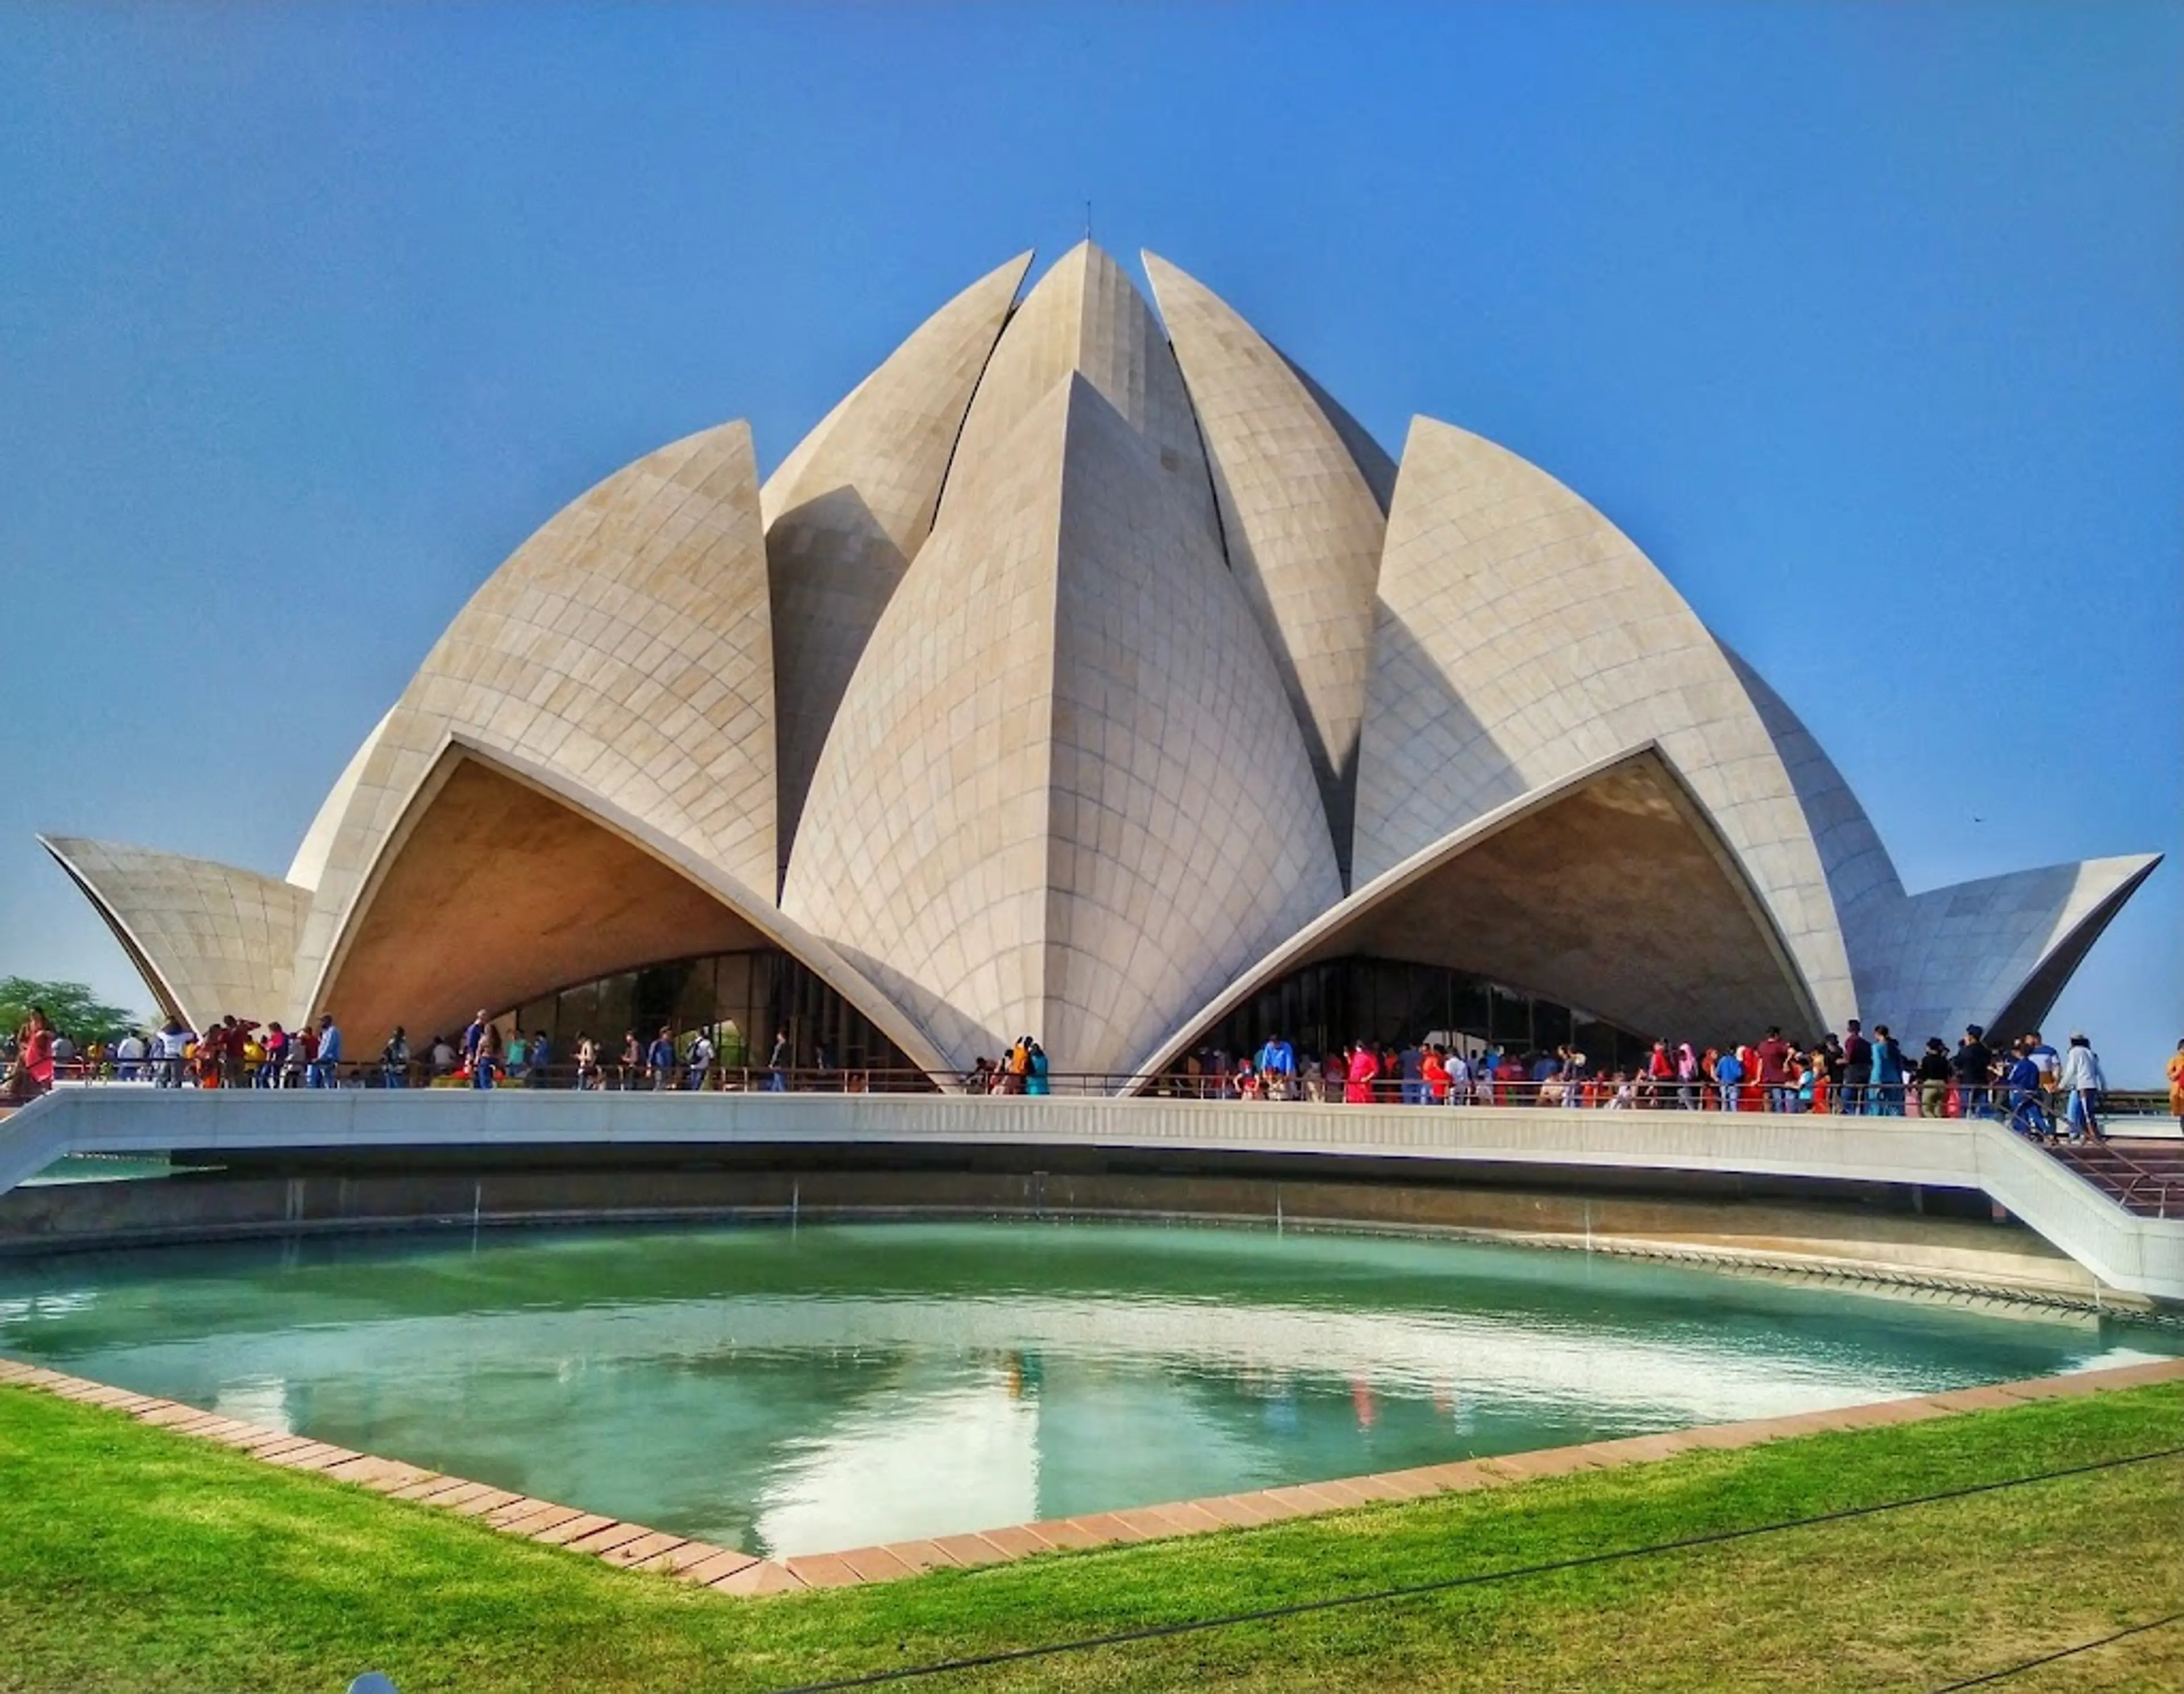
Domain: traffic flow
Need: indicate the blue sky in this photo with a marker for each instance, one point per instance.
(1867, 321)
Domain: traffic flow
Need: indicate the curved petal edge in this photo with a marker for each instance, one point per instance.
(207, 939)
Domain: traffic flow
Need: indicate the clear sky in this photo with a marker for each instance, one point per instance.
(1866, 321)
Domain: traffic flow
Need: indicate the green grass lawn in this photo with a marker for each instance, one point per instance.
(132, 1559)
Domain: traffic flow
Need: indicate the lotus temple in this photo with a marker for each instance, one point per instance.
(1090, 671)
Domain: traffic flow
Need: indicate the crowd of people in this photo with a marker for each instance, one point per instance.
(232, 1053)
(238, 1052)
(1022, 1069)
(2025, 1081)
(2039, 1091)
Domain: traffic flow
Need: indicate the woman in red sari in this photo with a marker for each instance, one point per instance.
(1358, 1090)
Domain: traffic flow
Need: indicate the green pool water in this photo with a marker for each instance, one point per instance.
(791, 1391)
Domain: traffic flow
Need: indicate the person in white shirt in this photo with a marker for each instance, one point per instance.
(128, 1055)
(2083, 1082)
(170, 1047)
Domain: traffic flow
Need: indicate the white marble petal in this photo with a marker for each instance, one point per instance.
(851, 506)
(1520, 637)
(626, 646)
(1064, 795)
(207, 939)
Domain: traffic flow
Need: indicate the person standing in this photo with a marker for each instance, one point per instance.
(1460, 1077)
(167, 1049)
(1358, 1078)
(1973, 1068)
(34, 1047)
(632, 1066)
(1277, 1065)
(1932, 1076)
(777, 1064)
(1774, 1055)
(2047, 1059)
(2083, 1083)
(1729, 1075)
(660, 1059)
(1856, 1069)
(303, 1053)
(1035, 1070)
(394, 1058)
(1688, 1076)
(1435, 1069)
(698, 1062)
(326, 1069)
(485, 1057)
(1411, 1067)
(2177, 1084)
(472, 1037)
(1887, 1100)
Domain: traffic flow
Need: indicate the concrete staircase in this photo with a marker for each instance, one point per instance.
(2145, 1177)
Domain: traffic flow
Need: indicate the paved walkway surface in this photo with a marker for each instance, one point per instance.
(730, 1571)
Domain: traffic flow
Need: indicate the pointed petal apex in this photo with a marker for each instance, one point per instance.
(1302, 517)
(850, 508)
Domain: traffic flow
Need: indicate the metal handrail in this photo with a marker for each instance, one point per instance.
(611, 1076)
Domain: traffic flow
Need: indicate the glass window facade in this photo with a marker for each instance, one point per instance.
(739, 999)
(1321, 1007)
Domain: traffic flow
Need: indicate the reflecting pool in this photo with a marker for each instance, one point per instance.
(792, 1391)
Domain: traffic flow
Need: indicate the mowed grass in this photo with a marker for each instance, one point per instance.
(132, 1559)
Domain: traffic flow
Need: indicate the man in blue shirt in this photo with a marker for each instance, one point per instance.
(659, 1058)
(1277, 1062)
(1729, 1073)
(323, 1068)
(2027, 1115)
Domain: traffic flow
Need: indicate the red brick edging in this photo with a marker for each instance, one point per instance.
(729, 1571)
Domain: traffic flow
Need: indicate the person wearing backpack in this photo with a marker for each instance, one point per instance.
(699, 1061)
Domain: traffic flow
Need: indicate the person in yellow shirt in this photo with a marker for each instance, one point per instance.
(2176, 1083)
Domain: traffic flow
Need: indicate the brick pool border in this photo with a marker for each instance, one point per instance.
(730, 1571)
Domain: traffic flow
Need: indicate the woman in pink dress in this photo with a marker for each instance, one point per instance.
(1363, 1067)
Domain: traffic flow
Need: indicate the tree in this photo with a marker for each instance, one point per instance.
(71, 1007)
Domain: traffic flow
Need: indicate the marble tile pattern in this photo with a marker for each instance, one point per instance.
(1520, 636)
(1086, 316)
(1303, 492)
(626, 646)
(209, 938)
(851, 506)
(1064, 795)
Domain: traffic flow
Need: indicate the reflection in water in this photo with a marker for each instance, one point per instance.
(790, 1391)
